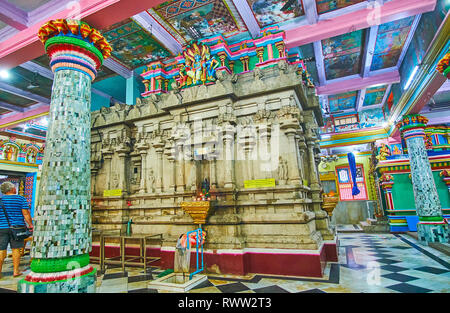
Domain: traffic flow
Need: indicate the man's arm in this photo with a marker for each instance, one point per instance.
(27, 216)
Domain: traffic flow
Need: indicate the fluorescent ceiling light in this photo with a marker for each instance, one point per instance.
(411, 77)
(4, 74)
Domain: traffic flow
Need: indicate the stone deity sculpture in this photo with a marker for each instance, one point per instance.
(151, 180)
(282, 171)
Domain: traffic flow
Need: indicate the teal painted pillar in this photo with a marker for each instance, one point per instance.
(130, 90)
(62, 236)
(431, 227)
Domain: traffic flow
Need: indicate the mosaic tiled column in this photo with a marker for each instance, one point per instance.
(431, 227)
(62, 236)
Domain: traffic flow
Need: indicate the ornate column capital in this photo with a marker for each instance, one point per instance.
(73, 44)
(412, 126)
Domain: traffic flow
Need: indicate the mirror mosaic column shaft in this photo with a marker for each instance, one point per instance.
(431, 226)
(62, 234)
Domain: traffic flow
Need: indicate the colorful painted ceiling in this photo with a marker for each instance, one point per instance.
(342, 54)
(374, 95)
(389, 43)
(343, 101)
(325, 6)
(269, 12)
(132, 45)
(194, 19)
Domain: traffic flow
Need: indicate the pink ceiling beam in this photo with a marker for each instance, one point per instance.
(25, 45)
(361, 19)
(358, 83)
(11, 15)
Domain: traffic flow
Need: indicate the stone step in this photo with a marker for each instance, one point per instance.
(352, 228)
(370, 227)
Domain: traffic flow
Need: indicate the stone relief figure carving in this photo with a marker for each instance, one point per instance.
(115, 181)
(151, 180)
(282, 170)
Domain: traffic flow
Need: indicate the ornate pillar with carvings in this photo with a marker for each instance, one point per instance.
(228, 146)
(159, 149)
(290, 119)
(142, 147)
(169, 152)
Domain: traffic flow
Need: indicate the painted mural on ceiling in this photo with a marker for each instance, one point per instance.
(31, 82)
(374, 95)
(342, 101)
(15, 100)
(193, 19)
(342, 54)
(324, 6)
(390, 40)
(269, 12)
(132, 45)
(371, 118)
(306, 54)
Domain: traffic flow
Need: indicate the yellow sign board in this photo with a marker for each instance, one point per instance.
(112, 193)
(258, 183)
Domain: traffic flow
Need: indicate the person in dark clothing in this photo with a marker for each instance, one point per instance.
(18, 213)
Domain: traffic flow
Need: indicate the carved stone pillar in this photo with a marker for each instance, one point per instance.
(290, 129)
(171, 171)
(143, 148)
(180, 181)
(302, 154)
(314, 177)
(228, 146)
(107, 157)
(94, 172)
(122, 169)
(159, 149)
(213, 174)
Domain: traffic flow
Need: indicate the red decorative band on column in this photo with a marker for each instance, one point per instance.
(51, 277)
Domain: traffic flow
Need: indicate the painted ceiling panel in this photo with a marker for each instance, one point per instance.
(371, 118)
(269, 12)
(324, 6)
(194, 19)
(374, 95)
(31, 82)
(132, 45)
(306, 53)
(4, 111)
(342, 54)
(343, 101)
(15, 100)
(28, 5)
(390, 40)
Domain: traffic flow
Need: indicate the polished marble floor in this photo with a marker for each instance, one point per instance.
(368, 263)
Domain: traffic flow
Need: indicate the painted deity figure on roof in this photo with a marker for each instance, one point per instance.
(200, 66)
